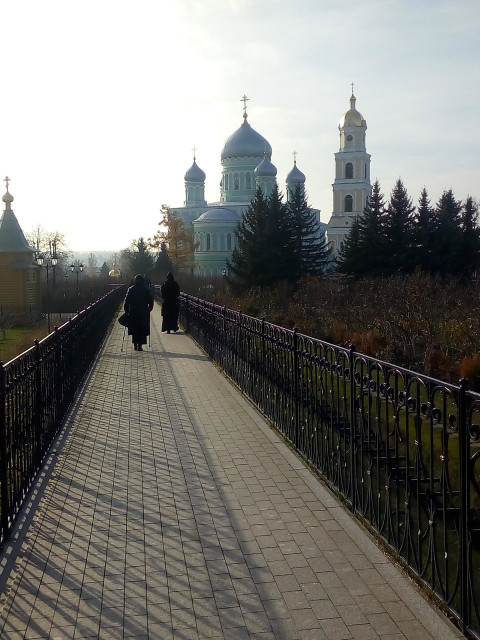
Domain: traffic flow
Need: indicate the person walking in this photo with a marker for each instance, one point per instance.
(170, 291)
(137, 305)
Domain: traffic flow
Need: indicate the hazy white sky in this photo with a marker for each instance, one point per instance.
(103, 100)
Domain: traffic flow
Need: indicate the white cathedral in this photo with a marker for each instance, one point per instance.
(246, 165)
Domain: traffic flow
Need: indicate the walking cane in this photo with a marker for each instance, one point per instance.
(123, 339)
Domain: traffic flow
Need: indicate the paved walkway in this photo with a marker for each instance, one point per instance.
(169, 510)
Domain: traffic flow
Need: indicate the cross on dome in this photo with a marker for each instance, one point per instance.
(7, 198)
(295, 154)
(194, 153)
(244, 99)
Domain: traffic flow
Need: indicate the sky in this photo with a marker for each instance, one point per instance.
(103, 101)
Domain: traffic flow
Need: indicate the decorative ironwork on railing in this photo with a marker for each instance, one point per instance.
(402, 448)
(36, 390)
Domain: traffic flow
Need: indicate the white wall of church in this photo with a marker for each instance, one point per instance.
(215, 241)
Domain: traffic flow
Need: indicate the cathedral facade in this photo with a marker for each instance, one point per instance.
(246, 161)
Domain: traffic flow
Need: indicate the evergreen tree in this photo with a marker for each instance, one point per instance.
(265, 251)
(250, 235)
(470, 244)
(349, 256)
(424, 228)
(372, 234)
(140, 260)
(365, 254)
(313, 253)
(398, 230)
(447, 237)
(163, 264)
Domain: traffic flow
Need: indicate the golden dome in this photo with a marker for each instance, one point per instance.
(7, 197)
(352, 118)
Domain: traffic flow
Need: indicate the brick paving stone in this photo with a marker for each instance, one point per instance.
(362, 632)
(170, 510)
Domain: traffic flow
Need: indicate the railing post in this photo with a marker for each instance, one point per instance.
(38, 405)
(353, 466)
(239, 350)
(264, 362)
(295, 387)
(224, 336)
(3, 455)
(187, 301)
(464, 555)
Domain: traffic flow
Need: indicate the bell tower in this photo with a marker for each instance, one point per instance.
(352, 176)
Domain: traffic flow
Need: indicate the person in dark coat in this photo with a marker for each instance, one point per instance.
(138, 305)
(170, 306)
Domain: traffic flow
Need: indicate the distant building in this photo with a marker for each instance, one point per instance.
(352, 176)
(19, 279)
(246, 164)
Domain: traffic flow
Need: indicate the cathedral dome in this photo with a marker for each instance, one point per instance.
(218, 214)
(194, 174)
(265, 169)
(246, 142)
(295, 176)
(352, 118)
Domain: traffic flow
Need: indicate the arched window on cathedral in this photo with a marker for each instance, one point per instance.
(229, 241)
(248, 180)
(348, 204)
(209, 242)
(349, 170)
(236, 182)
(225, 182)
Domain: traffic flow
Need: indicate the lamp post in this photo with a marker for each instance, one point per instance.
(49, 261)
(76, 267)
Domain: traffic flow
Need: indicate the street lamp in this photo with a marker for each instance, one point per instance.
(77, 267)
(49, 261)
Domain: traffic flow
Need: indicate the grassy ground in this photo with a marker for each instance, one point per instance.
(16, 340)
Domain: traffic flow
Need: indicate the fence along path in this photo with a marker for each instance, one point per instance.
(169, 509)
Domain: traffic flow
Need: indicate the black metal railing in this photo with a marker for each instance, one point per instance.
(402, 449)
(36, 390)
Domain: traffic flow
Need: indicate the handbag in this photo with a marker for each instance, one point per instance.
(123, 320)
